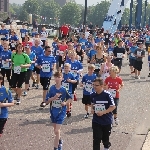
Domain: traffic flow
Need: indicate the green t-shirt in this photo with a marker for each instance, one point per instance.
(20, 59)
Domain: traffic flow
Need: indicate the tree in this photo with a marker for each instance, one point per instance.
(125, 16)
(70, 14)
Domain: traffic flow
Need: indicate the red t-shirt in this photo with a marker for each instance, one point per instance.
(64, 30)
(114, 84)
(63, 47)
(27, 43)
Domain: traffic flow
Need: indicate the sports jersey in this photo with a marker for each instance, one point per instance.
(37, 50)
(82, 41)
(5, 94)
(88, 45)
(44, 35)
(18, 60)
(66, 84)
(57, 111)
(87, 82)
(102, 102)
(75, 67)
(32, 56)
(132, 49)
(110, 50)
(46, 62)
(113, 85)
(13, 38)
(97, 40)
(91, 53)
(147, 39)
(6, 55)
(4, 34)
(23, 32)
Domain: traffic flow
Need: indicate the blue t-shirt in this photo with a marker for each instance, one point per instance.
(4, 33)
(67, 84)
(147, 38)
(13, 38)
(88, 45)
(110, 50)
(32, 56)
(5, 94)
(23, 32)
(75, 67)
(82, 41)
(97, 40)
(5, 55)
(37, 50)
(64, 97)
(87, 82)
(91, 53)
(47, 63)
(132, 49)
(105, 100)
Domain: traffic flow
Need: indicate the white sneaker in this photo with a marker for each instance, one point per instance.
(106, 148)
(139, 77)
(116, 121)
(24, 93)
(86, 116)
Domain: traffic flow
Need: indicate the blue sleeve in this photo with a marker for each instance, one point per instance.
(68, 96)
(10, 98)
(48, 95)
(110, 100)
(72, 77)
(42, 51)
(54, 60)
(83, 79)
(38, 61)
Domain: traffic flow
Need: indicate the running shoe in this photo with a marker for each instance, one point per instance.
(33, 84)
(15, 97)
(24, 93)
(116, 121)
(37, 86)
(60, 145)
(43, 104)
(18, 101)
(68, 114)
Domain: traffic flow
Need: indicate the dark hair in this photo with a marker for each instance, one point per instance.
(17, 47)
(46, 47)
(1, 77)
(99, 80)
(58, 74)
(119, 41)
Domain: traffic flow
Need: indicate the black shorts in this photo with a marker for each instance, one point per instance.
(2, 124)
(138, 65)
(60, 61)
(132, 62)
(86, 100)
(28, 75)
(37, 70)
(74, 86)
(17, 79)
(118, 63)
(45, 82)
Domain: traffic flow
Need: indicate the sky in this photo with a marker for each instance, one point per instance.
(90, 2)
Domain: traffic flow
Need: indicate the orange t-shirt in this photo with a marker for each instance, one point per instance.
(114, 83)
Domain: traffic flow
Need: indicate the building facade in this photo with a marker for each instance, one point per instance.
(4, 6)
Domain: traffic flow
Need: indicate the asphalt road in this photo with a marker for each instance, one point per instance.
(29, 127)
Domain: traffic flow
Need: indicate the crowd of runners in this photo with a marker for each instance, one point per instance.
(34, 58)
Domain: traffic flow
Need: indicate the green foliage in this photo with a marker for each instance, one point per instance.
(70, 14)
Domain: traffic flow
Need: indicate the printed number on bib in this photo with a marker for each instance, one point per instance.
(57, 52)
(119, 55)
(13, 44)
(99, 107)
(57, 103)
(147, 39)
(88, 88)
(112, 92)
(5, 64)
(132, 55)
(46, 67)
(139, 53)
(23, 34)
(110, 53)
(66, 85)
(17, 69)
(97, 66)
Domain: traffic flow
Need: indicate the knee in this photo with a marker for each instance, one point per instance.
(56, 132)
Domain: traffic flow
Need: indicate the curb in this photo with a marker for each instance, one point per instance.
(140, 134)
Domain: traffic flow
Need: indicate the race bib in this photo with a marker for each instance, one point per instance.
(5, 64)
(13, 44)
(88, 88)
(110, 53)
(57, 103)
(119, 55)
(132, 55)
(147, 39)
(66, 85)
(57, 52)
(97, 66)
(99, 107)
(112, 92)
(61, 53)
(106, 36)
(3, 36)
(23, 35)
(83, 43)
(17, 69)
(46, 67)
(139, 53)
(74, 72)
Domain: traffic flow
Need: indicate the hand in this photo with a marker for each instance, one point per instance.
(7, 60)
(63, 104)
(68, 80)
(21, 66)
(100, 113)
(92, 111)
(56, 97)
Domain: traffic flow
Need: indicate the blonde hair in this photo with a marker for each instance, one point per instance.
(67, 65)
(91, 66)
(114, 69)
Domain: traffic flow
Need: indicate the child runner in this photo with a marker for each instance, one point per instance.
(86, 82)
(6, 100)
(58, 97)
(68, 80)
(102, 107)
(114, 84)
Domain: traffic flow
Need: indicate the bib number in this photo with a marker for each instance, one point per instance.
(132, 55)
(99, 107)
(57, 103)
(23, 35)
(97, 66)
(112, 92)
(66, 85)
(57, 52)
(138, 53)
(88, 88)
(17, 69)
(119, 55)
(110, 53)
(5, 64)
(46, 67)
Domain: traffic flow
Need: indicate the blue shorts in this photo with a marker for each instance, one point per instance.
(58, 117)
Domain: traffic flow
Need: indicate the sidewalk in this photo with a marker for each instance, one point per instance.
(146, 145)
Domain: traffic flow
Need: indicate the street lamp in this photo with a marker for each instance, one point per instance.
(85, 14)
